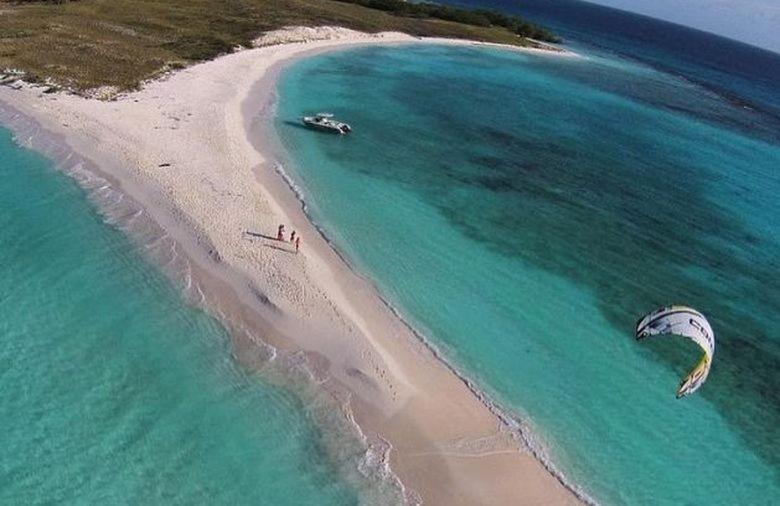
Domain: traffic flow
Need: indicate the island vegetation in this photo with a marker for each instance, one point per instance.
(85, 44)
(477, 17)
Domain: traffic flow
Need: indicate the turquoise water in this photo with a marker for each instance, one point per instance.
(114, 391)
(524, 211)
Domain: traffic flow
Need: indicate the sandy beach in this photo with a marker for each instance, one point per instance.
(186, 149)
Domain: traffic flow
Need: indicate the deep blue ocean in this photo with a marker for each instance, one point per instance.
(523, 211)
(746, 76)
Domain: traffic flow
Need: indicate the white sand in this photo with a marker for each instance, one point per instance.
(447, 446)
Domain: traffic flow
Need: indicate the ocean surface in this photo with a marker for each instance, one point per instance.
(524, 211)
(113, 390)
(723, 69)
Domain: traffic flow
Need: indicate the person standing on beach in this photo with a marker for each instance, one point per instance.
(280, 233)
(297, 243)
(292, 236)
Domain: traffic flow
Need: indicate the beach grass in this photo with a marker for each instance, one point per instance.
(88, 44)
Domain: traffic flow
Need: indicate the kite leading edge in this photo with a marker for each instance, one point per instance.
(686, 322)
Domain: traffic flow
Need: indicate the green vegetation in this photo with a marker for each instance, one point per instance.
(91, 43)
(479, 17)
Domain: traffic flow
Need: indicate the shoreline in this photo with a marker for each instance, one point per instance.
(355, 343)
(219, 297)
(267, 142)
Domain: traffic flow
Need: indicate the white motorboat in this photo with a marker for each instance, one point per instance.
(324, 121)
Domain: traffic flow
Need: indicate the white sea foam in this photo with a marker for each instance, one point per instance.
(296, 189)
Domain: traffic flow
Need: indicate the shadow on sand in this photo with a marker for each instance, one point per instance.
(279, 247)
(258, 234)
(277, 244)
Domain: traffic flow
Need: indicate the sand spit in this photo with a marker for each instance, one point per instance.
(181, 148)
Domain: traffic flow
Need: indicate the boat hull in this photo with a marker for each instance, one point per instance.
(333, 127)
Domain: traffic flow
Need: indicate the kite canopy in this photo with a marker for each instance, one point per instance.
(687, 322)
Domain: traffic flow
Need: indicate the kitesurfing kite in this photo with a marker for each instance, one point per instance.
(687, 322)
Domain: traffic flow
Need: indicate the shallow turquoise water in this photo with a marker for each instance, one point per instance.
(523, 212)
(113, 390)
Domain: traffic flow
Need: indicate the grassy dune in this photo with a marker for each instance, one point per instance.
(90, 43)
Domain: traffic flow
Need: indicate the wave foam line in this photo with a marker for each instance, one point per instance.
(519, 430)
(122, 212)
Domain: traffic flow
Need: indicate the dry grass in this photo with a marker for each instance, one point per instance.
(92, 43)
